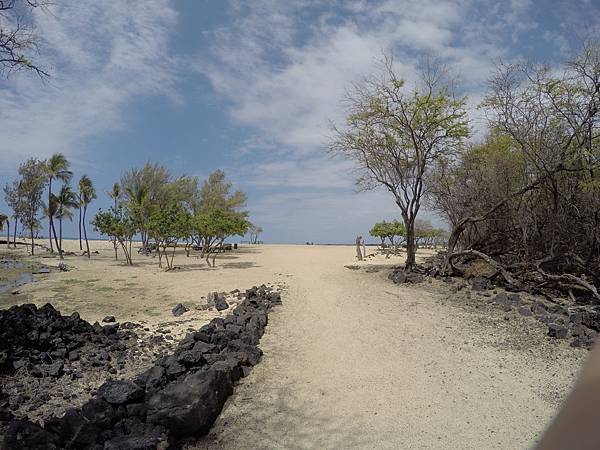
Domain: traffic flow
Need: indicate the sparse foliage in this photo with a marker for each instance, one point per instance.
(32, 184)
(116, 224)
(395, 135)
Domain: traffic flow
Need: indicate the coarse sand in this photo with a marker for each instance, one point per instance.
(350, 359)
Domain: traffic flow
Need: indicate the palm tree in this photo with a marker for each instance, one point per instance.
(66, 200)
(87, 193)
(51, 210)
(57, 168)
(4, 219)
(115, 193)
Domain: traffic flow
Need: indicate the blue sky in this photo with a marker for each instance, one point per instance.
(251, 88)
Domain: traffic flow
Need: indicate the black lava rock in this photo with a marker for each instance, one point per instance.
(179, 310)
(120, 392)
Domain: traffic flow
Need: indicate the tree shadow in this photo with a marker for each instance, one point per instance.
(277, 419)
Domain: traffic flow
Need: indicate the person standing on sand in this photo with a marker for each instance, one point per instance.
(358, 252)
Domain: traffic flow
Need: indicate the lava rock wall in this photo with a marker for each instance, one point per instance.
(179, 397)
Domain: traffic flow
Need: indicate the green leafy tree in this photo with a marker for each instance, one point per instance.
(167, 226)
(118, 226)
(215, 194)
(87, 194)
(57, 168)
(393, 231)
(32, 184)
(215, 225)
(254, 231)
(115, 194)
(5, 221)
(13, 195)
(151, 188)
(395, 136)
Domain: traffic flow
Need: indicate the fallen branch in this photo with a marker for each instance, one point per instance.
(499, 267)
(568, 278)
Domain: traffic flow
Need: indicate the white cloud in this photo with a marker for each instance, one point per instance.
(284, 68)
(103, 55)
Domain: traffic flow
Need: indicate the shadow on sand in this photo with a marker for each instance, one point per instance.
(276, 419)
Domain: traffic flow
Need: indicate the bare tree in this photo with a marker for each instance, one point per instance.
(18, 41)
(395, 135)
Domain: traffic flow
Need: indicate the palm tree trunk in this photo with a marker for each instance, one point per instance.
(50, 224)
(80, 245)
(60, 236)
(87, 244)
(15, 234)
(8, 233)
(54, 233)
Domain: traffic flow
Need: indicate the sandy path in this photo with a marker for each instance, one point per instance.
(352, 361)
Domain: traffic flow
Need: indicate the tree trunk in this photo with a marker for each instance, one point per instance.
(60, 251)
(173, 254)
(54, 233)
(8, 233)
(50, 225)
(358, 253)
(410, 245)
(114, 241)
(32, 246)
(87, 244)
(80, 244)
(15, 234)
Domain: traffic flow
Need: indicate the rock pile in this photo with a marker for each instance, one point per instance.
(399, 276)
(179, 397)
(45, 343)
(575, 323)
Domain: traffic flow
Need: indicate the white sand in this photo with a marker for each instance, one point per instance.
(351, 360)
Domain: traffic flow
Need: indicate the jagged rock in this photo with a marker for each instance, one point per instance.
(220, 302)
(109, 319)
(181, 395)
(179, 310)
(190, 407)
(557, 331)
(132, 442)
(99, 412)
(524, 311)
(538, 308)
(480, 284)
(120, 392)
(400, 276)
(190, 358)
(56, 369)
(23, 434)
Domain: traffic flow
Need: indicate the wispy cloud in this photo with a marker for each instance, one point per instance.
(102, 55)
(284, 69)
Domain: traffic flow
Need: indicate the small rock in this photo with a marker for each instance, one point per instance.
(480, 284)
(120, 392)
(179, 310)
(56, 369)
(220, 303)
(557, 331)
(109, 319)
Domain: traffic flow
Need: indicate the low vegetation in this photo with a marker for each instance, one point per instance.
(525, 199)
